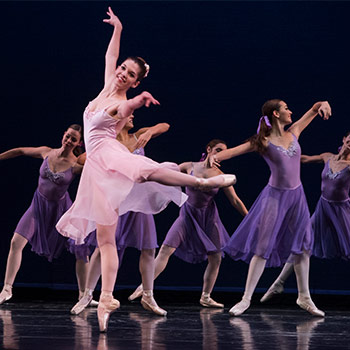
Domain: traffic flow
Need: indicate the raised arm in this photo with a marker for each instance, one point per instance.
(35, 152)
(322, 108)
(230, 153)
(316, 158)
(143, 135)
(112, 52)
(235, 200)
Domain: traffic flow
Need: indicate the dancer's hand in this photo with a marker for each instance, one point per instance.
(213, 162)
(113, 20)
(148, 99)
(325, 110)
(143, 139)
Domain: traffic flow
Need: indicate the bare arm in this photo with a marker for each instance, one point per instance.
(35, 152)
(185, 167)
(322, 108)
(316, 158)
(235, 200)
(145, 134)
(81, 159)
(112, 52)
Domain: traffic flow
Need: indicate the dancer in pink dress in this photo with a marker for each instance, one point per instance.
(51, 200)
(134, 229)
(198, 233)
(277, 228)
(331, 220)
(115, 181)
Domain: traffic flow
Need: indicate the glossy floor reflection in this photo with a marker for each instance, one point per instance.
(48, 325)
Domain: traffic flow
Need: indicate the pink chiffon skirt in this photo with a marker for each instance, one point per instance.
(113, 183)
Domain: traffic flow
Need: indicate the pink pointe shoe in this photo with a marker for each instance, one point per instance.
(6, 293)
(106, 306)
(216, 181)
(136, 294)
(272, 291)
(240, 307)
(150, 304)
(207, 301)
(307, 304)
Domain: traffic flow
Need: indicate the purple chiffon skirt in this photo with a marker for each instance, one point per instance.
(277, 227)
(196, 233)
(38, 223)
(82, 251)
(331, 227)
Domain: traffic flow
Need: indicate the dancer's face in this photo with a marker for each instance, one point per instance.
(216, 149)
(71, 138)
(126, 75)
(346, 143)
(284, 114)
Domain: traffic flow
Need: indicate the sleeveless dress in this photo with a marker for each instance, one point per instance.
(331, 219)
(278, 224)
(198, 231)
(50, 201)
(113, 178)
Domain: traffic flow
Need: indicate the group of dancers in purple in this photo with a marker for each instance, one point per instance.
(120, 189)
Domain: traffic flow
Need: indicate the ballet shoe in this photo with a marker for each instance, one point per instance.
(106, 306)
(83, 303)
(93, 303)
(271, 292)
(307, 304)
(209, 302)
(150, 304)
(6, 294)
(136, 294)
(239, 308)
(216, 182)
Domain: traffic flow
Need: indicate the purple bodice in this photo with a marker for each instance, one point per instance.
(52, 185)
(335, 186)
(284, 165)
(200, 199)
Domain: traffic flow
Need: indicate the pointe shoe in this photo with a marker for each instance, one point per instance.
(239, 308)
(6, 294)
(308, 305)
(209, 302)
(150, 304)
(271, 292)
(216, 182)
(83, 303)
(136, 294)
(93, 303)
(106, 306)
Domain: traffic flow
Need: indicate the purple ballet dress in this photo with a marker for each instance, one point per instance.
(135, 229)
(331, 219)
(49, 203)
(198, 231)
(278, 224)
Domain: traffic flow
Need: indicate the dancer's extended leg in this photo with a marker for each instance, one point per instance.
(109, 268)
(301, 268)
(13, 264)
(256, 268)
(81, 272)
(209, 279)
(277, 286)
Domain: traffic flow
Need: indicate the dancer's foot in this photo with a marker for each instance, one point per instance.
(276, 288)
(83, 303)
(307, 304)
(207, 301)
(6, 293)
(106, 306)
(240, 307)
(150, 304)
(136, 294)
(216, 181)
(94, 303)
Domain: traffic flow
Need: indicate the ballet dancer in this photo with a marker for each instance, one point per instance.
(331, 220)
(198, 233)
(277, 228)
(134, 229)
(50, 201)
(115, 181)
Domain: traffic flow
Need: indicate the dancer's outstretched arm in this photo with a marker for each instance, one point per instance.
(35, 152)
(322, 108)
(112, 52)
(143, 135)
(323, 157)
(235, 200)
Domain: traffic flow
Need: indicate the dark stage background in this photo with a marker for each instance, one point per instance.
(213, 64)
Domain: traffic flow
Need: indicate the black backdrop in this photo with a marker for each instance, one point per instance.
(213, 64)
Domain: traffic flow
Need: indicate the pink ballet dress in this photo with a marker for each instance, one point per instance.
(113, 179)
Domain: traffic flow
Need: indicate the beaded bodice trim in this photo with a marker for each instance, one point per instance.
(290, 151)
